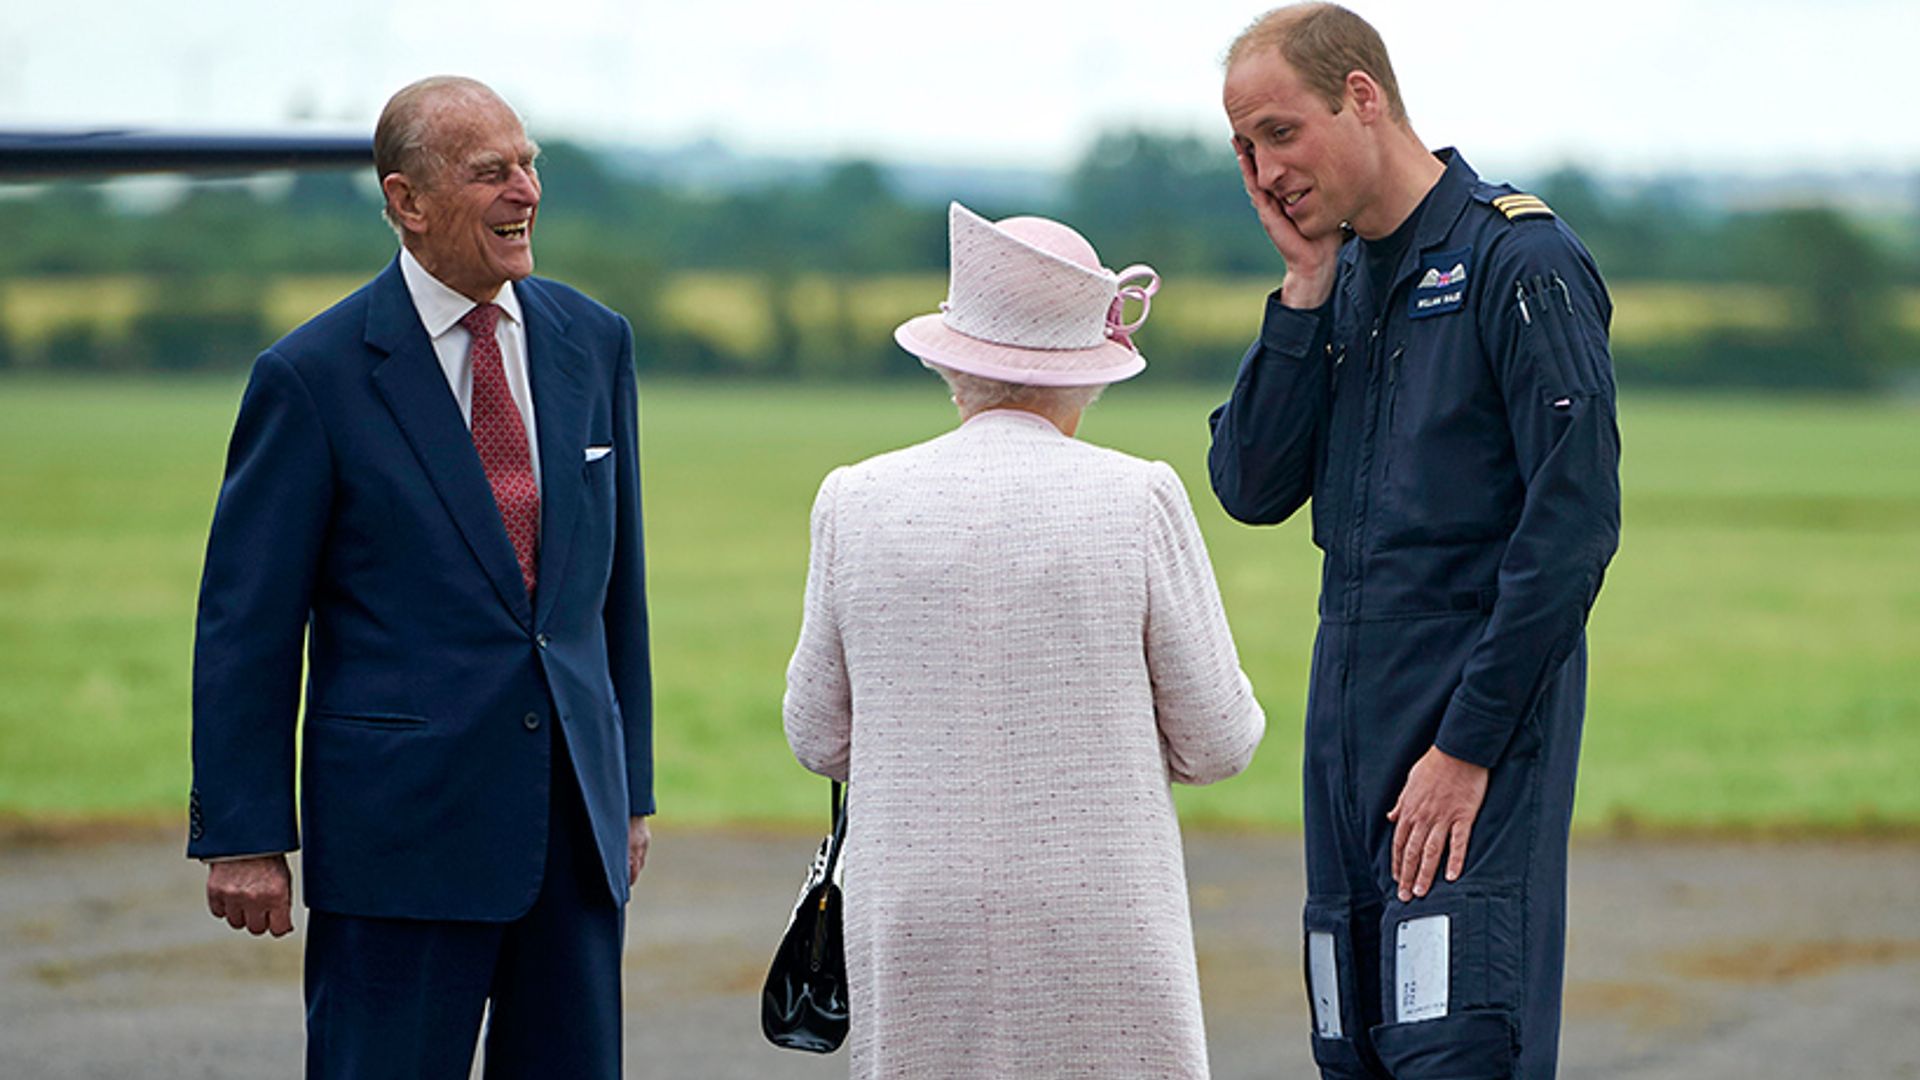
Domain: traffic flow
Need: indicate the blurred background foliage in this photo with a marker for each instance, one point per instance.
(1754, 653)
(805, 275)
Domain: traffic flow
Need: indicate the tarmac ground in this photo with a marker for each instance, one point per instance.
(1688, 959)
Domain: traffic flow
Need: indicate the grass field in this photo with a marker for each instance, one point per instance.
(1756, 652)
(729, 309)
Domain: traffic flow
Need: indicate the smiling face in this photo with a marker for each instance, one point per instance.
(1320, 164)
(470, 221)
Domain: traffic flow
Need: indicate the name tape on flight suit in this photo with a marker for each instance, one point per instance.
(1442, 284)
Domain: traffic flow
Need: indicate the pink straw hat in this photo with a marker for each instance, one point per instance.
(1028, 302)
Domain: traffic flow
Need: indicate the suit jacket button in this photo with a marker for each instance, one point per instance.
(541, 640)
(532, 721)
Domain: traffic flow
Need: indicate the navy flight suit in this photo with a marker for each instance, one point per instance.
(1456, 438)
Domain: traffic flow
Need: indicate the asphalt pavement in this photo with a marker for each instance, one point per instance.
(1687, 960)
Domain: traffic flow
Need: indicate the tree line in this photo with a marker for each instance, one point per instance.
(816, 250)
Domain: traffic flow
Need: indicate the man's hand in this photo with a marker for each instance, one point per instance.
(1312, 265)
(255, 895)
(638, 838)
(1434, 813)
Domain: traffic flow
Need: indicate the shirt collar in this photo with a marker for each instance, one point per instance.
(440, 307)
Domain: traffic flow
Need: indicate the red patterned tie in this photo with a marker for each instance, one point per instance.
(500, 435)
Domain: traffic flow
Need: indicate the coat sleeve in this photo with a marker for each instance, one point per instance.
(1210, 723)
(1266, 436)
(818, 710)
(628, 651)
(263, 553)
(1545, 324)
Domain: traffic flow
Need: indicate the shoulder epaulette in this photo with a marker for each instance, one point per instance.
(1520, 206)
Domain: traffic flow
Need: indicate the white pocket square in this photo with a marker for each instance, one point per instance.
(595, 453)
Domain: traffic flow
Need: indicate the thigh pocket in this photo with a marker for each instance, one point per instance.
(1457, 950)
(1450, 968)
(1332, 989)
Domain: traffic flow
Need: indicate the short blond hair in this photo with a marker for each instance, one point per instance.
(1324, 43)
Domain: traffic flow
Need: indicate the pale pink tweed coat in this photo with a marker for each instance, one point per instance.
(1012, 643)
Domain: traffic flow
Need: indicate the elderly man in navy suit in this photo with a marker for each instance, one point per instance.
(433, 490)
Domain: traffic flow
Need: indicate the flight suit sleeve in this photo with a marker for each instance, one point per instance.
(625, 615)
(263, 556)
(1265, 437)
(1545, 325)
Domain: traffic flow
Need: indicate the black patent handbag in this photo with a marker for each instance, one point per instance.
(804, 1004)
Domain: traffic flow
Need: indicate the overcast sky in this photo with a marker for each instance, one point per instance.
(1626, 85)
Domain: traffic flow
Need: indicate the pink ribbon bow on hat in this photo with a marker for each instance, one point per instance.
(1118, 328)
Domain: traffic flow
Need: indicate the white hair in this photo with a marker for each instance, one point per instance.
(974, 393)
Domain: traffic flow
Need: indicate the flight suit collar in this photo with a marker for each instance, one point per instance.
(1439, 213)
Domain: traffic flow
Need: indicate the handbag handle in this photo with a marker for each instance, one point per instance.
(816, 954)
(839, 827)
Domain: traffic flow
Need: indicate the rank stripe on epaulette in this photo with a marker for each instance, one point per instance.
(1521, 205)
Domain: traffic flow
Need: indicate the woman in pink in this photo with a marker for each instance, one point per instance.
(1012, 643)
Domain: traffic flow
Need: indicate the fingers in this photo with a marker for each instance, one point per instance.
(1418, 850)
(1407, 868)
(280, 919)
(1434, 845)
(1244, 158)
(1457, 849)
(639, 840)
(1264, 204)
(261, 917)
(255, 895)
(1401, 829)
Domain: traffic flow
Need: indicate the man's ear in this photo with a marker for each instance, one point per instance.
(1364, 95)
(403, 201)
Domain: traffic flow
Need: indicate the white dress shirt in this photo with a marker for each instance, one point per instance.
(441, 309)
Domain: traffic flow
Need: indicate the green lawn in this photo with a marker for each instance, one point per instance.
(1756, 653)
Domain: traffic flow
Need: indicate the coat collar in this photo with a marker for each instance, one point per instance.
(409, 379)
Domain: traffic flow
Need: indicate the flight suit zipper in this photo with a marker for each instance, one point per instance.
(1363, 474)
(1393, 399)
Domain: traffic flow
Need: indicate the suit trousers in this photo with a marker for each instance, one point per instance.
(404, 998)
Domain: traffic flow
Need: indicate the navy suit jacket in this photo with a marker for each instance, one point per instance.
(356, 519)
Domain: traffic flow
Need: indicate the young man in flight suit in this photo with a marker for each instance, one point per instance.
(1433, 375)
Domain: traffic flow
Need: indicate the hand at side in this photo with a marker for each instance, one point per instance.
(639, 838)
(1434, 816)
(255, 895)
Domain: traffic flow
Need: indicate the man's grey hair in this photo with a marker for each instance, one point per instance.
(402, 139)
(974, 393)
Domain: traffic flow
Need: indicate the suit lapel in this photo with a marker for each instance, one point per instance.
(415, 389)
(555, 368)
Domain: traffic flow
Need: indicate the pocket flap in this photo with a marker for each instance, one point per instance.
(1465, 1046)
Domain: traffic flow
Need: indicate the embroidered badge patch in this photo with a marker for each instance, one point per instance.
(1442, 284)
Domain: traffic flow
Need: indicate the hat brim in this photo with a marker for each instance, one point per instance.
(930, 338)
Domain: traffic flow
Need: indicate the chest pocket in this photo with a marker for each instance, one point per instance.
(1446, 474)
